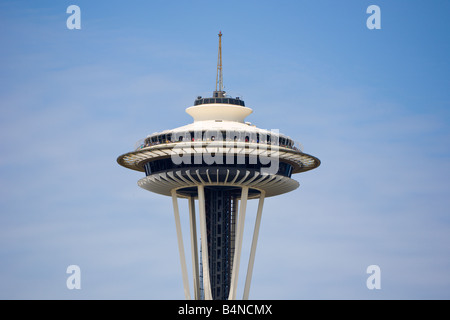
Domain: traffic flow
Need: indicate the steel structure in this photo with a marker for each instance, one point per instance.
(221, 162)
(219, 74)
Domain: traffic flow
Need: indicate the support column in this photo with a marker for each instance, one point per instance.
(180, 246)
(194, 248)
(238, 243)
(251, 260)
(204, 243)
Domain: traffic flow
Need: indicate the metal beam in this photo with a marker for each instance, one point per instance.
(204, 243)
(238, 248)
(194, 248)
(181, 246)
(251, 260)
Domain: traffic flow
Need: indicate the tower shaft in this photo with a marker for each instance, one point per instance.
(220, 207)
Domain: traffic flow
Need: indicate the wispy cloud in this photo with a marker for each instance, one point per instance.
(71, 103)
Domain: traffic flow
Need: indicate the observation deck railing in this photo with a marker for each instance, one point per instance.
(144, 143)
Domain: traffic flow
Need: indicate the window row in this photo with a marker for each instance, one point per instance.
(166, 164)
(216, 135)
(237, 102)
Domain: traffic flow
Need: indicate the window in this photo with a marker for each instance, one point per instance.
(236, 161)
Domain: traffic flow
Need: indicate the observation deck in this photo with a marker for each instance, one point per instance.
(238, 152)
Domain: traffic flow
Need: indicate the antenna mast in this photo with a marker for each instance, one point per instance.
(219, 78)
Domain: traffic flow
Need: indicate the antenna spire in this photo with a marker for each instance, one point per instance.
(219, 76)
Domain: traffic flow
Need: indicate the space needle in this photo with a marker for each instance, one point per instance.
(218, 163)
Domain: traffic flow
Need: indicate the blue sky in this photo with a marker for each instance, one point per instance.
(373, 105)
